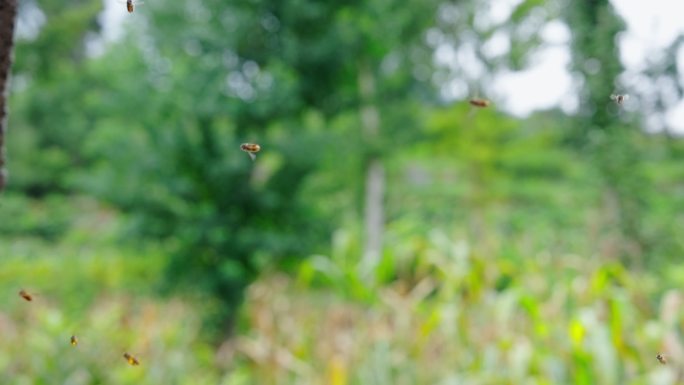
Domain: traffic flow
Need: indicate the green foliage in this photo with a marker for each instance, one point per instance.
(86, 284)
(613, 144)
(513, 313)
(177, 170)
(559, 320)
(54, 116)
(163, 337)
(501, 259)
(47, 218)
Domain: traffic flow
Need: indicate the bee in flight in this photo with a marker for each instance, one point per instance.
(131, 360)
(661, 358)
(251, 149)
(477, 102)
(74, 341)
(23, 294)
(130, 4)
(619, 98)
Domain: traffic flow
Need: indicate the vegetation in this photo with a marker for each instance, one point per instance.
(540, 250)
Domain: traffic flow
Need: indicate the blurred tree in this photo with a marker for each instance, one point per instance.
(384, 41)
(599, 129)
(177, 168)
(474, 43)
(360, 57)
(8, 12)
(476, 40)
(658, 87)
(51, 93)
(262, 68)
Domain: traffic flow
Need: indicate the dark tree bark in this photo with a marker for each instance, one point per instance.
(8, 13)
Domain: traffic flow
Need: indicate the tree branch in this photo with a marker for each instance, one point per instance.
(8, 13)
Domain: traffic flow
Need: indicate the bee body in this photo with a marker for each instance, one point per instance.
(661, 358)
(251, 149)
(131, 360)
(481, 103)
(23, 294)
(74, 341)
(130, 4)
(619, 98)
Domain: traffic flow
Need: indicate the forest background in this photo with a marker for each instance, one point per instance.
(387, 233)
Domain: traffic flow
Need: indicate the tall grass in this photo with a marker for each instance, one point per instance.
(86, 284)
(436, 311)
(533, 297)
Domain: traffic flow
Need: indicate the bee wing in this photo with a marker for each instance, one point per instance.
(613, 97)
(252, 155)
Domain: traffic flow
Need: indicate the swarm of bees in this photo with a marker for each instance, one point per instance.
(252, 148)
(619, 99)
(74, 340)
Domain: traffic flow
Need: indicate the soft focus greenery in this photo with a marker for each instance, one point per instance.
(535, 250)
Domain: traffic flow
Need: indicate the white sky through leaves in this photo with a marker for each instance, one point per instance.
(651, 26)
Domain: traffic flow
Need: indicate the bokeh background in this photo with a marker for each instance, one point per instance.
(387, 233)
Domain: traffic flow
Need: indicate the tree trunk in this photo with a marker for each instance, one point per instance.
(8, 12)
(374, 217)
(609, 141)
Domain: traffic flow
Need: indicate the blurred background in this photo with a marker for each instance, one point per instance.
(388, 231)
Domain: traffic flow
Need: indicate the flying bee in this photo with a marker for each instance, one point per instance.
(131, 360)
(619, 98)
(661, 358)
(74, 341)
(130, 4)
(23, 294)
(477, 102)
(251, 149)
